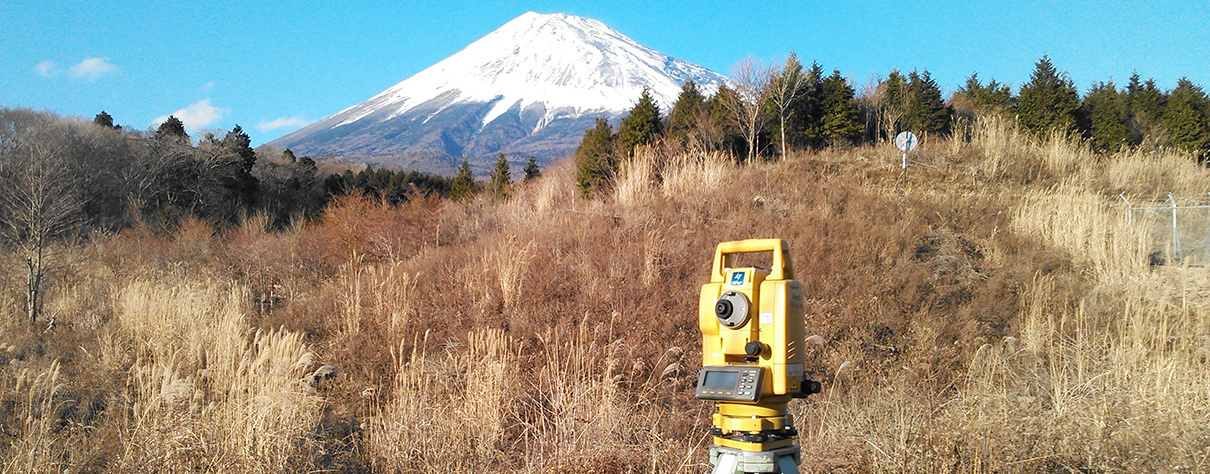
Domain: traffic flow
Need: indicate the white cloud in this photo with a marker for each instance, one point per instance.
(47, 69)
(200, 114)
(283, 122)
(207, 87)
(91, 69)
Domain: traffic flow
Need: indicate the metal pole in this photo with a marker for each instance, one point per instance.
(1205, 255)
(1176, 238)
(1161, 208)
(1129, 209)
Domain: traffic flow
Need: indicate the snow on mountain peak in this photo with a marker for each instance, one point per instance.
(565, 63)
(531, 87)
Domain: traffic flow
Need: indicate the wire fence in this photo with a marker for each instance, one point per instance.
(1180, 228)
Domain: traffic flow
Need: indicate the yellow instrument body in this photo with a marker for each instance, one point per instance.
(772, 328)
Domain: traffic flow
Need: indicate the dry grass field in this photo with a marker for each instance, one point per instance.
(991, 309)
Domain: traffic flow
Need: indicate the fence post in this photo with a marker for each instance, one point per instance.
(1176, 238)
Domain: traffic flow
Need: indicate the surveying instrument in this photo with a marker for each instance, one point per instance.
(752, 359)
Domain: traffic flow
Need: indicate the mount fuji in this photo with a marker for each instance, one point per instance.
(530, 88)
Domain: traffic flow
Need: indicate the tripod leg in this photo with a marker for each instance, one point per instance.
(787, 465)
(728, 463)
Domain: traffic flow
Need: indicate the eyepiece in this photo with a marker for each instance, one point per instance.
(723, 309)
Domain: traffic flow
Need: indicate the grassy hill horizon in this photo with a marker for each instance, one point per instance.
(993, 308)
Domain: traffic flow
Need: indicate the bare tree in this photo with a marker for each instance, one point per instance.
(785, 87)
(37, 205)
(708, 131)
(749, 78)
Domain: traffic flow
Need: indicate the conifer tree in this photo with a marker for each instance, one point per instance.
(531, 169)
(891, 105)
(642, 126)
(895, 90)
(717, 129)
(1107, 116)
(1186, 119)
(238, 141)
(840, 125)
(1048, 102)
(684, 116)
(595, 164)
(1144, 97)
(976, 98)
(104, 119)
(216, 185)
(501, 178)
(172, 130)
(804, 126)
(347, 182)
(397, 188)
(463, 185)
(239, 177)
(926, 110)
(1145, 104)
(911, 103)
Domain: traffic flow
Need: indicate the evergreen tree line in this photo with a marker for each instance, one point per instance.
(1108, 116)
(109, 178)
(766, 111)
(396, 187)
(498, 183)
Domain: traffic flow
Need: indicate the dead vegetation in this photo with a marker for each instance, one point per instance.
(989, 310)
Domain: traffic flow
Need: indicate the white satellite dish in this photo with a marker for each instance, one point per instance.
(906, 141)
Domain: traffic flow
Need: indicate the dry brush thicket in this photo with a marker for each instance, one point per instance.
(992, 309)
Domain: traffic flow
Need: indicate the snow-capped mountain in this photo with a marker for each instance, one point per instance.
(529, 88)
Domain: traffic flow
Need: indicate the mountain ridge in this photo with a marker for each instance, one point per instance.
(531, 87)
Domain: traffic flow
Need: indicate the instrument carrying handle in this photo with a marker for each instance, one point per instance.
(782, 268)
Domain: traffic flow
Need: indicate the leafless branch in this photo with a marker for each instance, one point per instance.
(749, 78)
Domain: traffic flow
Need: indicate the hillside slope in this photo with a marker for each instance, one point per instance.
(991, 309)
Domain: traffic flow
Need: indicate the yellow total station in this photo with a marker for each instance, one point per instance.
(752, 347)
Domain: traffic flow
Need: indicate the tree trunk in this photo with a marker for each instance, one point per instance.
(752, 148)
(754, 131)
(33, 286)
(783, 136)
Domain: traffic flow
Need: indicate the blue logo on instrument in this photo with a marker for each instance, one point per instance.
(737, 278)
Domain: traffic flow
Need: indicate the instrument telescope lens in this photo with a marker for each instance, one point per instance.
(723, 309)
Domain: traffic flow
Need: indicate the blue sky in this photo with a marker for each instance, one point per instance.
(272, 67)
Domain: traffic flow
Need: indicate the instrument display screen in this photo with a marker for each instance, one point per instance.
(730, 383)
(720, 379)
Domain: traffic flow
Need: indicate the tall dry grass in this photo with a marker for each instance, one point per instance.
(191, 386)
(550, 404)
(207, 391)
(1095, 229)
(990, 309)
(37, 445)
